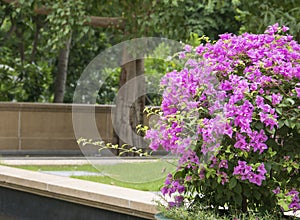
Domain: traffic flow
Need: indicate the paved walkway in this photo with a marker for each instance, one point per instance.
(68, 160)
(73, 173)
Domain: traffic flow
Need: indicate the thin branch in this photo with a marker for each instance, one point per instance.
(42, 10)
(36, 38)
(16, 2)
(19, 34)
(116, 22)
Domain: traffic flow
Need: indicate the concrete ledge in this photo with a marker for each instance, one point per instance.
(54, 107)
(40, 153)
(107, 197)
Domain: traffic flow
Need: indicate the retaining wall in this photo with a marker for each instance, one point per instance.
(31, 195)
(38, 128)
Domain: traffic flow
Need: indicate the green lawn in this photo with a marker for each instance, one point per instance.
(147, 176)
(148, 186)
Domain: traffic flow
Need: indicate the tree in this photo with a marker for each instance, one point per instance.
(255, 16)
(60, 19)
(27, 76)
(174, 19)
(66, 17)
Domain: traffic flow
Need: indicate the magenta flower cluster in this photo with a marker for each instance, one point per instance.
(173, 186)
(224, 105)
(295, 204)
(294, 194)
(245, 172)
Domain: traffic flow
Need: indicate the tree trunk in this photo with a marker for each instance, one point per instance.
(19, 34)
(244, 204)
(127, 100)
(38, 27)
(61, 76)
(137, 109)
(122, 118)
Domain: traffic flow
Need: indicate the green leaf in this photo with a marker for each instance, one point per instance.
(291, 101)
(283, 131)
(232, 183)
(179, 174)
(247, 192)
(293, 124)
(238, 188)
(237, 198)
(271, 143)
(279, 111)
(287, 123)
(268, 98)
(257, 195)
(275, 167)
(259, 125)
(227, 150)
(219, 179)
(280, 124)
(282, 105)
(283, 205)
(207, 175)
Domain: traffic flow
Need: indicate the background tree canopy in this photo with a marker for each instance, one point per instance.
(42, 40)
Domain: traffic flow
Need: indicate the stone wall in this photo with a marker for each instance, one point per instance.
(38, 128)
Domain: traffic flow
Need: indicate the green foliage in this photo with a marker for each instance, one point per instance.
(33, 40)
(28, 75)
(204, 213)
(155, 69)
(255, 16)
(65, 17)
(30, 44)
(107, 92)
(176, 19)
(84, 49)
(33, 82)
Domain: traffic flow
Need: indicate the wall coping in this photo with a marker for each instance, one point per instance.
(54, 107)
(113, 198)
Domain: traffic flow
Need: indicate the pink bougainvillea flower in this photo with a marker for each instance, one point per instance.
(230, 108)
(277, 190)
(223, 164)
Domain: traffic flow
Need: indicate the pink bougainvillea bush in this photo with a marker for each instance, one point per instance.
(232, 115)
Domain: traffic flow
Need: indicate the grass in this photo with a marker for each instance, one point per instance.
(149, 186)
(138, 172)
(146, 176)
